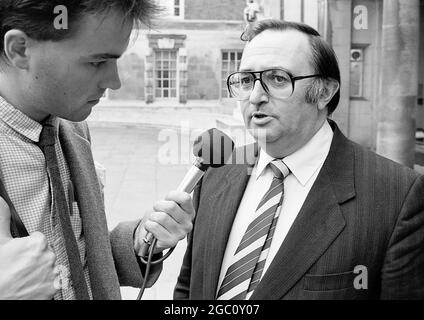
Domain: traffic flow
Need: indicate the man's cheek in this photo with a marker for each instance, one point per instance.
(245, 112)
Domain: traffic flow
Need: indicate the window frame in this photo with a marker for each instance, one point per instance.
(168, 88)
(225, 73)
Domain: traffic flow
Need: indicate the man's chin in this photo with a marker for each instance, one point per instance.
(92, 103)
(260, 134)
(82, 115)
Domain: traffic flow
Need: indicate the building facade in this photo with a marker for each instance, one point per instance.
(185, 58)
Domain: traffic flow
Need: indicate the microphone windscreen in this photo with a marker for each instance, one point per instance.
(214, 147)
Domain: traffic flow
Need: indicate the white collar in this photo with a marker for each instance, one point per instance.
(304, 162)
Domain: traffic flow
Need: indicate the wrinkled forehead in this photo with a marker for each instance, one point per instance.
(285, 49)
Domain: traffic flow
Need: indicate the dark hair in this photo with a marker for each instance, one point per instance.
(36, 17)
(323, 57)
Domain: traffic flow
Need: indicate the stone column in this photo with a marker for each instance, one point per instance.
(340, 24)
(398, 80)
(183, 76)
(149, 76)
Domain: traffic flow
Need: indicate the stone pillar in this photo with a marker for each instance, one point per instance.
(149, 76)
(340, 24)
(324, 24)
(183, 76)
(398, 81)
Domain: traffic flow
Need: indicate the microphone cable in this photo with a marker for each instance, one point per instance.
(150, 263)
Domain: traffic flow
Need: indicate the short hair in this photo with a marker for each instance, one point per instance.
(36, 17)
(323, 58)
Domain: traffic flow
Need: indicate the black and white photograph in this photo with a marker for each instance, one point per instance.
(228, 151)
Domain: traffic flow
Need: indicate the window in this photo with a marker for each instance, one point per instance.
(166, 74)
(177, 8)
(305, 11)
(356, 72)
(173, 8)
(230, 63)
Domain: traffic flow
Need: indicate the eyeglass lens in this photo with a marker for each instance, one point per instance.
(276, 82)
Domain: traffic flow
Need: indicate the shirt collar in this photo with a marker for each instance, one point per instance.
(304, 162)
(19, 121)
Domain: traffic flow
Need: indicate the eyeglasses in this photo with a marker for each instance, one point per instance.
(276, 82)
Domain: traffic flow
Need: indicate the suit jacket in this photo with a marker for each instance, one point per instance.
(110, 256)
(361, 225)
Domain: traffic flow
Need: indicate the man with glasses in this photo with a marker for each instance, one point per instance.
(310, 214)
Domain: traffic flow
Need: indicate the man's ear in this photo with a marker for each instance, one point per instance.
(329, 88)
(15, 48)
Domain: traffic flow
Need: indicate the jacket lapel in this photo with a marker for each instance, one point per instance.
(77, 151)
(317, 225)
(225, 204)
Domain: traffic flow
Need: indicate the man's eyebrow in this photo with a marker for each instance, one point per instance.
(104, 56)
(268, 68)
(246, 70)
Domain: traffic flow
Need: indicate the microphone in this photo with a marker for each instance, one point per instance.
(213, 148)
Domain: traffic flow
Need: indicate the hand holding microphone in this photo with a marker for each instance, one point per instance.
(171, 221)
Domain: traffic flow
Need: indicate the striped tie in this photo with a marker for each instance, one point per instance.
(245, 272)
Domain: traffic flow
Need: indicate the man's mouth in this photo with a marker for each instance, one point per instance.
(261, 118)
(259, 115)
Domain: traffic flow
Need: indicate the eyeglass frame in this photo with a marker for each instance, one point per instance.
(292, 79)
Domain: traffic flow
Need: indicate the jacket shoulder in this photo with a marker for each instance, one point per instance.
(370, 163)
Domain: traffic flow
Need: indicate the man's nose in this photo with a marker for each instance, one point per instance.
(111, 80)
(258, 94)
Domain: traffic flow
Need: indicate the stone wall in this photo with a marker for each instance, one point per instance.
(204, 52)
(214, 10)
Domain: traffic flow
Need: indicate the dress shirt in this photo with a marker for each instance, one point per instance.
(304, 165)
(26, 179)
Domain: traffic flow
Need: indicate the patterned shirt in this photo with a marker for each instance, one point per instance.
(25, 176)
